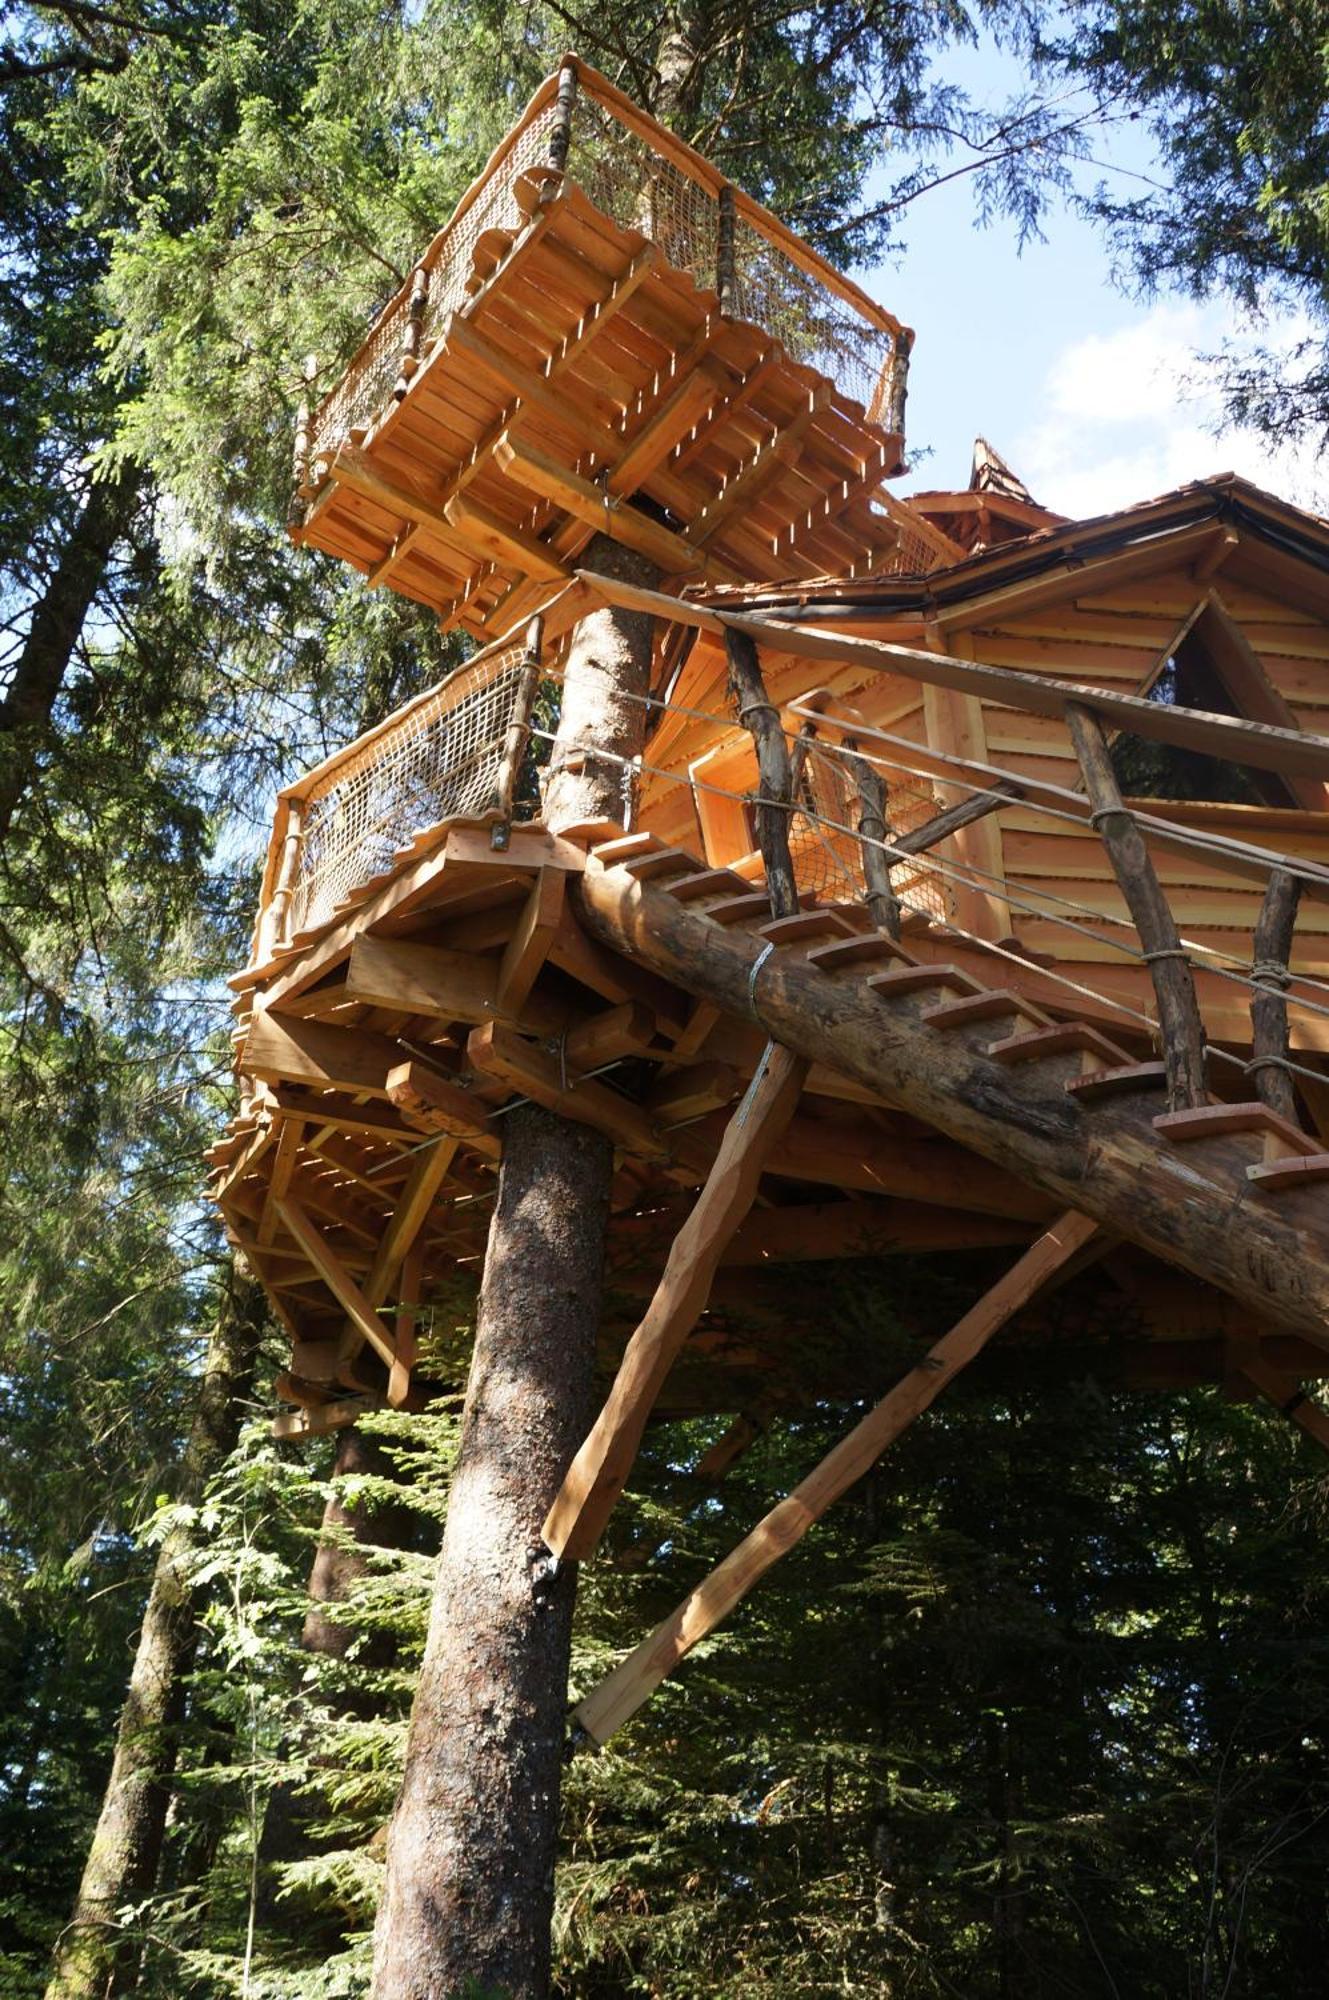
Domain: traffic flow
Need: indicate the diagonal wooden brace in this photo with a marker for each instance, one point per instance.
(600, 1470)
(618, 1697)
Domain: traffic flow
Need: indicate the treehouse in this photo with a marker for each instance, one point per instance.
(968, 901)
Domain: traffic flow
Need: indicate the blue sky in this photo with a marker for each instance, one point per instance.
(1095, 398)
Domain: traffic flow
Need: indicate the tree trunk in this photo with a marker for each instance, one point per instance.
(93, 1958)
(470, 1877)
(53, 632)
(605, 684)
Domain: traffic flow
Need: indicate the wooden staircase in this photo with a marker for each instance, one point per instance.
(1226, 1191)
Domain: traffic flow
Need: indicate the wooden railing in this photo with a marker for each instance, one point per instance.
(580, 125)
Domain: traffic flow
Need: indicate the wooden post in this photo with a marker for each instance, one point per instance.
(1180, 1027)
(560, 136)
(288, 868)
(898, 388)
(882, 902)
(757, 713)
(610, 1705)
(1269, 1032)
(725, 233)
(415, 321)
(519, 728)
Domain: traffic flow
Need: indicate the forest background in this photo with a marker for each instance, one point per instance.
(1041, 1709)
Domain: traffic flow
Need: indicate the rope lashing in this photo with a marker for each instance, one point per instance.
(1271, 972)
(1272, 1062)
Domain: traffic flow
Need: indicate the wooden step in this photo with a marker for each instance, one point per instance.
(1282, 1139)
(754, 907)
(805, 928)
(1098, 1084)
(905, 979)
(1062, 1038)
(704, 882)
(987, 1006)
(1293, 1171)
(630, 847)
(592, 833)
(848, 954)
(659, 866)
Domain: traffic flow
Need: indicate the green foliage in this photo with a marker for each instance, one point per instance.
(1234, 97)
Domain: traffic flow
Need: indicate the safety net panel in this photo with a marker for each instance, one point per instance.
(442, 761)
(823, 839)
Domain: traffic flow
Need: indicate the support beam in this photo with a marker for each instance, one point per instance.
(585, 501)
(619, 1697)
(529, 945)
(337, 1279)
(1288, 1397)
(1181, 1028)
(600, 1470)
(432, 1104)
(526, 1067)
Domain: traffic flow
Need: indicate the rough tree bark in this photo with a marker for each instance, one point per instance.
(53, 632)
(93, 1959)
(470, 1875)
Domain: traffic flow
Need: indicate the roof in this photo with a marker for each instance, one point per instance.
(1288, 539)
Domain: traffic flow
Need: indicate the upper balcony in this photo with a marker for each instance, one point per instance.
(609, 335)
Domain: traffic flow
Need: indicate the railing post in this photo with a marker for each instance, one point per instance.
(415, 321)
(758, 714)
(1180, 1026)
(287, 870)
(1269, 974)
(519, 729)
(560, 137)
(883, 904)
(725, 238)
(898, 390)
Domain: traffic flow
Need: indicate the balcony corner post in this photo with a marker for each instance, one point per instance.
(724, 249)
(560, 137)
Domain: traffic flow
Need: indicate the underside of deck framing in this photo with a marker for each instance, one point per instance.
(610, 978)
(587, 384)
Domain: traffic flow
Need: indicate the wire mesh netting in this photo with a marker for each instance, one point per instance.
(913, 554)
(367, 386)
(620, 174)
(442, 761)
(825, 851)
(810, 322)
(628, 181)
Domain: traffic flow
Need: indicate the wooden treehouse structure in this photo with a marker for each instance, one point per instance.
(970, 897)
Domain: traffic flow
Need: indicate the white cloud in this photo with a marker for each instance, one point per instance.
(1128, 415)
